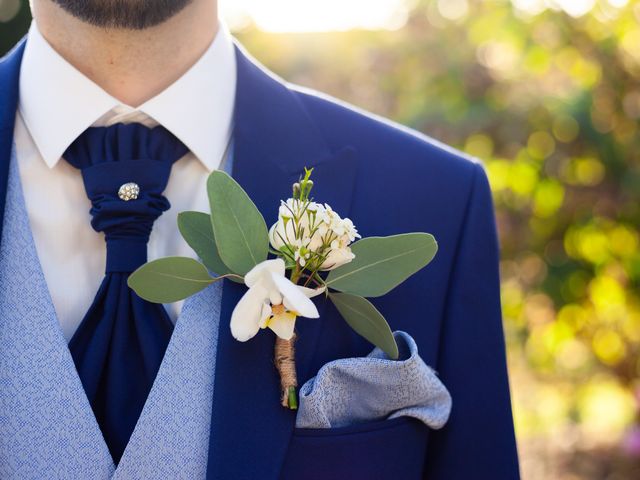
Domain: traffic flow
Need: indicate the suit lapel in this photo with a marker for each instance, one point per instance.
(273, 140)
(9, 80)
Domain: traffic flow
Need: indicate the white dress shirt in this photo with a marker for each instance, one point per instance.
(57, 103)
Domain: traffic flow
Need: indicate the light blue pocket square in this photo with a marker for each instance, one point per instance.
(356, 390)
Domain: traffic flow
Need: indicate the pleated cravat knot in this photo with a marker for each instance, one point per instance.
(121, 340)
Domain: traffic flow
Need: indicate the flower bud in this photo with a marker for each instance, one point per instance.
(296, 190)
(306, 188)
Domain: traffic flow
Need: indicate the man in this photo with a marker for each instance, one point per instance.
(120, 70)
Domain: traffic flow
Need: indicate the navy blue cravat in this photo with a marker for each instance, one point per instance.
(121, 340)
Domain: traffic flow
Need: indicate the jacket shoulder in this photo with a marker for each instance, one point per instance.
(380, 140)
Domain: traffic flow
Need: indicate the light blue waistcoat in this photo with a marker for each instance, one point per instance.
(47, 427)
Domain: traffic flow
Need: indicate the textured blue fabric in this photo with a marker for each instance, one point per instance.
(47, 427)
(171, 438)
(120, 342)
(351, 391)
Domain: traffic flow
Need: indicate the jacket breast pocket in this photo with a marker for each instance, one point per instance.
(387, 449)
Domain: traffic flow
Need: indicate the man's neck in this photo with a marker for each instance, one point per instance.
(131, 65)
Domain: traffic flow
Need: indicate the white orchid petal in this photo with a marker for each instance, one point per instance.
(283, 325)
(275, 297)
(311, 292)
(245, 319)
(294, 298)
(263, 271)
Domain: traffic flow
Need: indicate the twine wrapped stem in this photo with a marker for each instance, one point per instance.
(286, 364)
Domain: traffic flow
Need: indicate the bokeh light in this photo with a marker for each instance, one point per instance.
(314, 16)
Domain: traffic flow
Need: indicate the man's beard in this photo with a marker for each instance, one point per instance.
(129, 14)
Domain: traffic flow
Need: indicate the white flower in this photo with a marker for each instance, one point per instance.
(337, 257)
(296, 220)
(272, 301)
(314, 234)
(350, 230)
(344, 232)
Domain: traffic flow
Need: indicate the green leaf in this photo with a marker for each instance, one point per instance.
(239, 230)
(169, 279)
(196, 229)
(366, 320)
(382, 263)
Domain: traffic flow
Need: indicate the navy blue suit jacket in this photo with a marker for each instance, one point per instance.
(389, 180)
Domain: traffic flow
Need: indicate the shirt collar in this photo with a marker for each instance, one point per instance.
(58, 103)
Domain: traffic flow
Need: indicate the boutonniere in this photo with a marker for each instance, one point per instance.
(309, 251)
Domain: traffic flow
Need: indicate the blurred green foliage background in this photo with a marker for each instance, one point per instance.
(551, 103)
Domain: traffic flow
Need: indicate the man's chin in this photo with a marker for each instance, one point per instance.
(127, 14)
